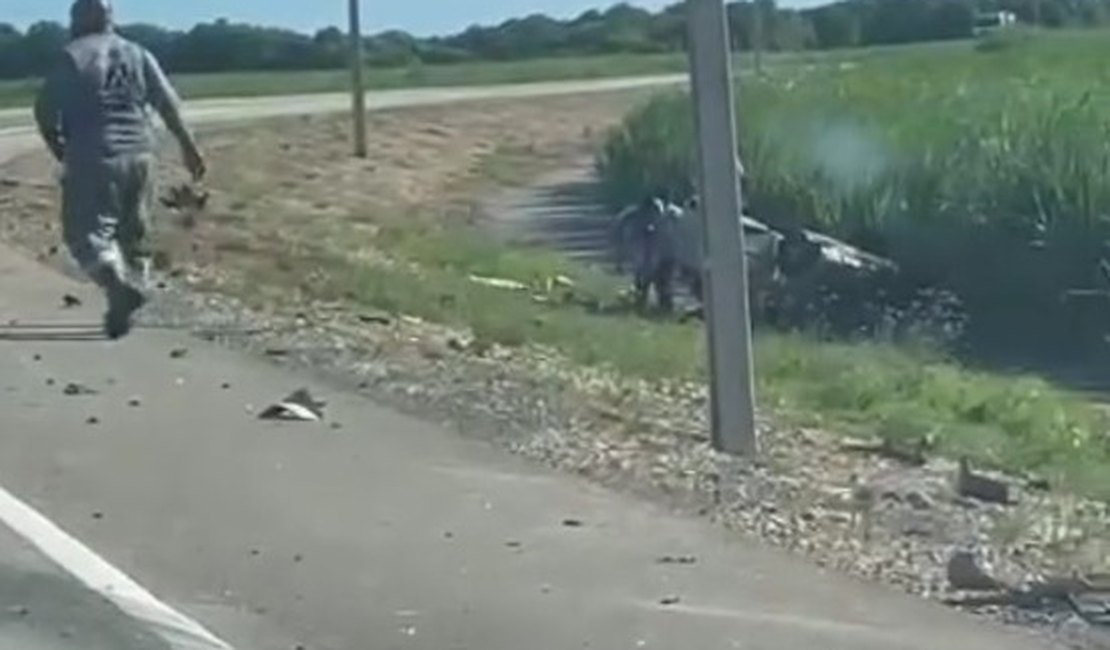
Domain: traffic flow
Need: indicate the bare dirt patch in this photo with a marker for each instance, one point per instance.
(283, 190)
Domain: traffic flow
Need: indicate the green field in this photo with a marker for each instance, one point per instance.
(248, 84)
(253, 84)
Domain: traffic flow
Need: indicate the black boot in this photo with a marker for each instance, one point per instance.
(123, 301)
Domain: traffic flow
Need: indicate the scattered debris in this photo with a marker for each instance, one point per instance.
(134, 402)
(1038, 484)
(300, 406)
(966, 574)
(75, 389)
(376, 319)
(457, 344)
(92, 420)
(670, 600)
(298, 558)
(70, 301)
(187, 200)
(19, 610)
(573, 523)
(678, 559)
(50, 382)
(225, 386)
(514, 544)
(37, 357)
(919, 500)
(912, 453)
(499, 283)
(179, 353)
(277, 352)
(981, 487)
(98, 515)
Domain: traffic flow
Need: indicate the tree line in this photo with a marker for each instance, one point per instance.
(225, 46)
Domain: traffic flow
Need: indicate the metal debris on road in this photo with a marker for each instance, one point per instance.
(678, 559)
(300, 406)
(75, 389)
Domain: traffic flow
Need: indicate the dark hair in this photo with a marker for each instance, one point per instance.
(89, 17)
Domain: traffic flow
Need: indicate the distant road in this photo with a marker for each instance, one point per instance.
(17, 133)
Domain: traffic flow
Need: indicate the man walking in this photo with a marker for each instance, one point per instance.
(92, 112)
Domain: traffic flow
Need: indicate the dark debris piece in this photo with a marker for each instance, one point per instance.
(73, 389)
(685, 560)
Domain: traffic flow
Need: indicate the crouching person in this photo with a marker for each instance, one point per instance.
(646, 234)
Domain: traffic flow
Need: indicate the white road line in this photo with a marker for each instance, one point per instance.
(178, 630)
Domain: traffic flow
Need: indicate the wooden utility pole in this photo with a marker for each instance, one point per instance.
(358, 86)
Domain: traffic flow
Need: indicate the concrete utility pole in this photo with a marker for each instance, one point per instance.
(726, 281)
(358, 86)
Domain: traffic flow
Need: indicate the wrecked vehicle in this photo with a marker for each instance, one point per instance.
(798, 262)
(804, 280)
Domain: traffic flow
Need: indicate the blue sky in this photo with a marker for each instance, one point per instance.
(418, 16)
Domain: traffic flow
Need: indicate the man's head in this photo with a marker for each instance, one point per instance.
(90, 17)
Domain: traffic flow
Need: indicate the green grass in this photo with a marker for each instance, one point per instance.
(1015, 423)
(253, 84)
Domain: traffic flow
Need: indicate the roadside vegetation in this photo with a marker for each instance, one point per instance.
(984, 171)
(18, 93)
(1017, 423)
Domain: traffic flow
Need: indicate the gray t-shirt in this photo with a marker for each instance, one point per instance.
(94, 103)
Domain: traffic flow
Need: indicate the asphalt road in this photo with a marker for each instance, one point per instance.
(387, 532)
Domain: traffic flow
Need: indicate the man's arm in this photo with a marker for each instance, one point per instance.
(162, 96)
(48, 108)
